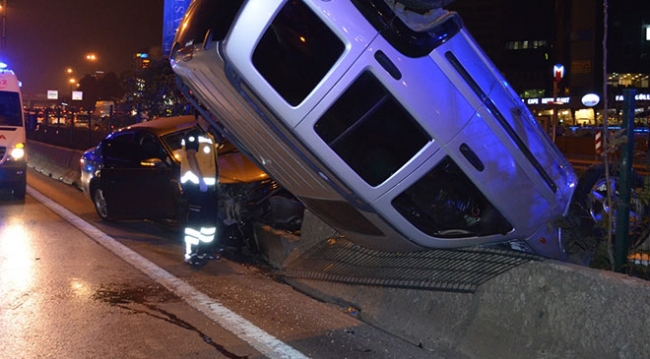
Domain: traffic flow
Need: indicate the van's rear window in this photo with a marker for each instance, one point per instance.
(10, 109)
(296, 52)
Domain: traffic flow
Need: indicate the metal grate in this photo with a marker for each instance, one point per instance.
(458, 270)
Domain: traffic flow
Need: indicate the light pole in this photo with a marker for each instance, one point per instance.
(3, 42)
(72, 82)
(92, 59)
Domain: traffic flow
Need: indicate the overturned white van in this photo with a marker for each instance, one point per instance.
(391, 125)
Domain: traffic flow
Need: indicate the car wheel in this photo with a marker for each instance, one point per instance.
(590, 208)
(19, 192)
(100, 204)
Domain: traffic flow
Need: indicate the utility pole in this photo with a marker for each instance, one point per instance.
(623, 206)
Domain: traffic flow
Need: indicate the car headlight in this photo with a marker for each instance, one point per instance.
(18, 152)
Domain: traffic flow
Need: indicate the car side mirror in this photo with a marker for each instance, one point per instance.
(153, 162)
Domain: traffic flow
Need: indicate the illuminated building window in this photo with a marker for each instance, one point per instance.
(525, 44)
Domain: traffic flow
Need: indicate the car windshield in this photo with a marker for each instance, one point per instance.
(10, 109)
(174, 141)
(226, 147)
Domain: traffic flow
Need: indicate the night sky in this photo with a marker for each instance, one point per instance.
(44, 37)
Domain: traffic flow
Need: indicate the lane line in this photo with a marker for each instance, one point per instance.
(262, 341)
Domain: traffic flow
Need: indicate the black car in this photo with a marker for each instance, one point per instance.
(134, 174)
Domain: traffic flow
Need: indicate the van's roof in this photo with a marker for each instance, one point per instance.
(9, 81)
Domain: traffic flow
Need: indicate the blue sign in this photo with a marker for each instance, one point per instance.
(172, 18)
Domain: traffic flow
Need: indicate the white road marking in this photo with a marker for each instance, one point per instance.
(262, 341)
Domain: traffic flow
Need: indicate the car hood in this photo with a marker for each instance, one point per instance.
(236, 168)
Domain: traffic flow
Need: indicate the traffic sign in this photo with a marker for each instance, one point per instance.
(558, 72)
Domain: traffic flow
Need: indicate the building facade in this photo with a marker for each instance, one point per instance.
(528, 40)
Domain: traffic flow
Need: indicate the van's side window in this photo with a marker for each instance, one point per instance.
(371, 131)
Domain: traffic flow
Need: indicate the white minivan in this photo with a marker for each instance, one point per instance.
(388, 123)
(13, 159)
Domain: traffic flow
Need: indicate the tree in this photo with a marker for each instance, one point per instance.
(154, 90)
(110, 88)
(88, 85)
(107, 87)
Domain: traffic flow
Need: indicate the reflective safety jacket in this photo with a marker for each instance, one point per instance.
(206, 157)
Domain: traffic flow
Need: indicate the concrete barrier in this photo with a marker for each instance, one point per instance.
(542, 309)
(537, 310)
(57, 162)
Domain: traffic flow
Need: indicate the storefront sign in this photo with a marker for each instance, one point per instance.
(547, 101)
(638, 97)
(590, 99)
(557, 100)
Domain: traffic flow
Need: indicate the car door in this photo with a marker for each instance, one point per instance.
(157, 178)
(135, 185)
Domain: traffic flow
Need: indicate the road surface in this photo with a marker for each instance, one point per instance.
(73, 286)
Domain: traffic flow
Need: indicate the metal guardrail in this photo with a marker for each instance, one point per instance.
(79, 136)
(449, 270)
(581, 164)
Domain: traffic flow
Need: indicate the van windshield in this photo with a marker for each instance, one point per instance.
(10, 109)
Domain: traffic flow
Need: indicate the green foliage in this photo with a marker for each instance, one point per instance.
(644, 192)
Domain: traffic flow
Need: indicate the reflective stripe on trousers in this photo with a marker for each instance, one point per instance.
(194, 237)
(190, 176)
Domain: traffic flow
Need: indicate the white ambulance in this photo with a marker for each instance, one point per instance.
(13, 159)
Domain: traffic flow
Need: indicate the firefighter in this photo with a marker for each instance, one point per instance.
(199, 181)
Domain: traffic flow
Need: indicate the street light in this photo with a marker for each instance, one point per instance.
(72, 82)
(92, 59)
